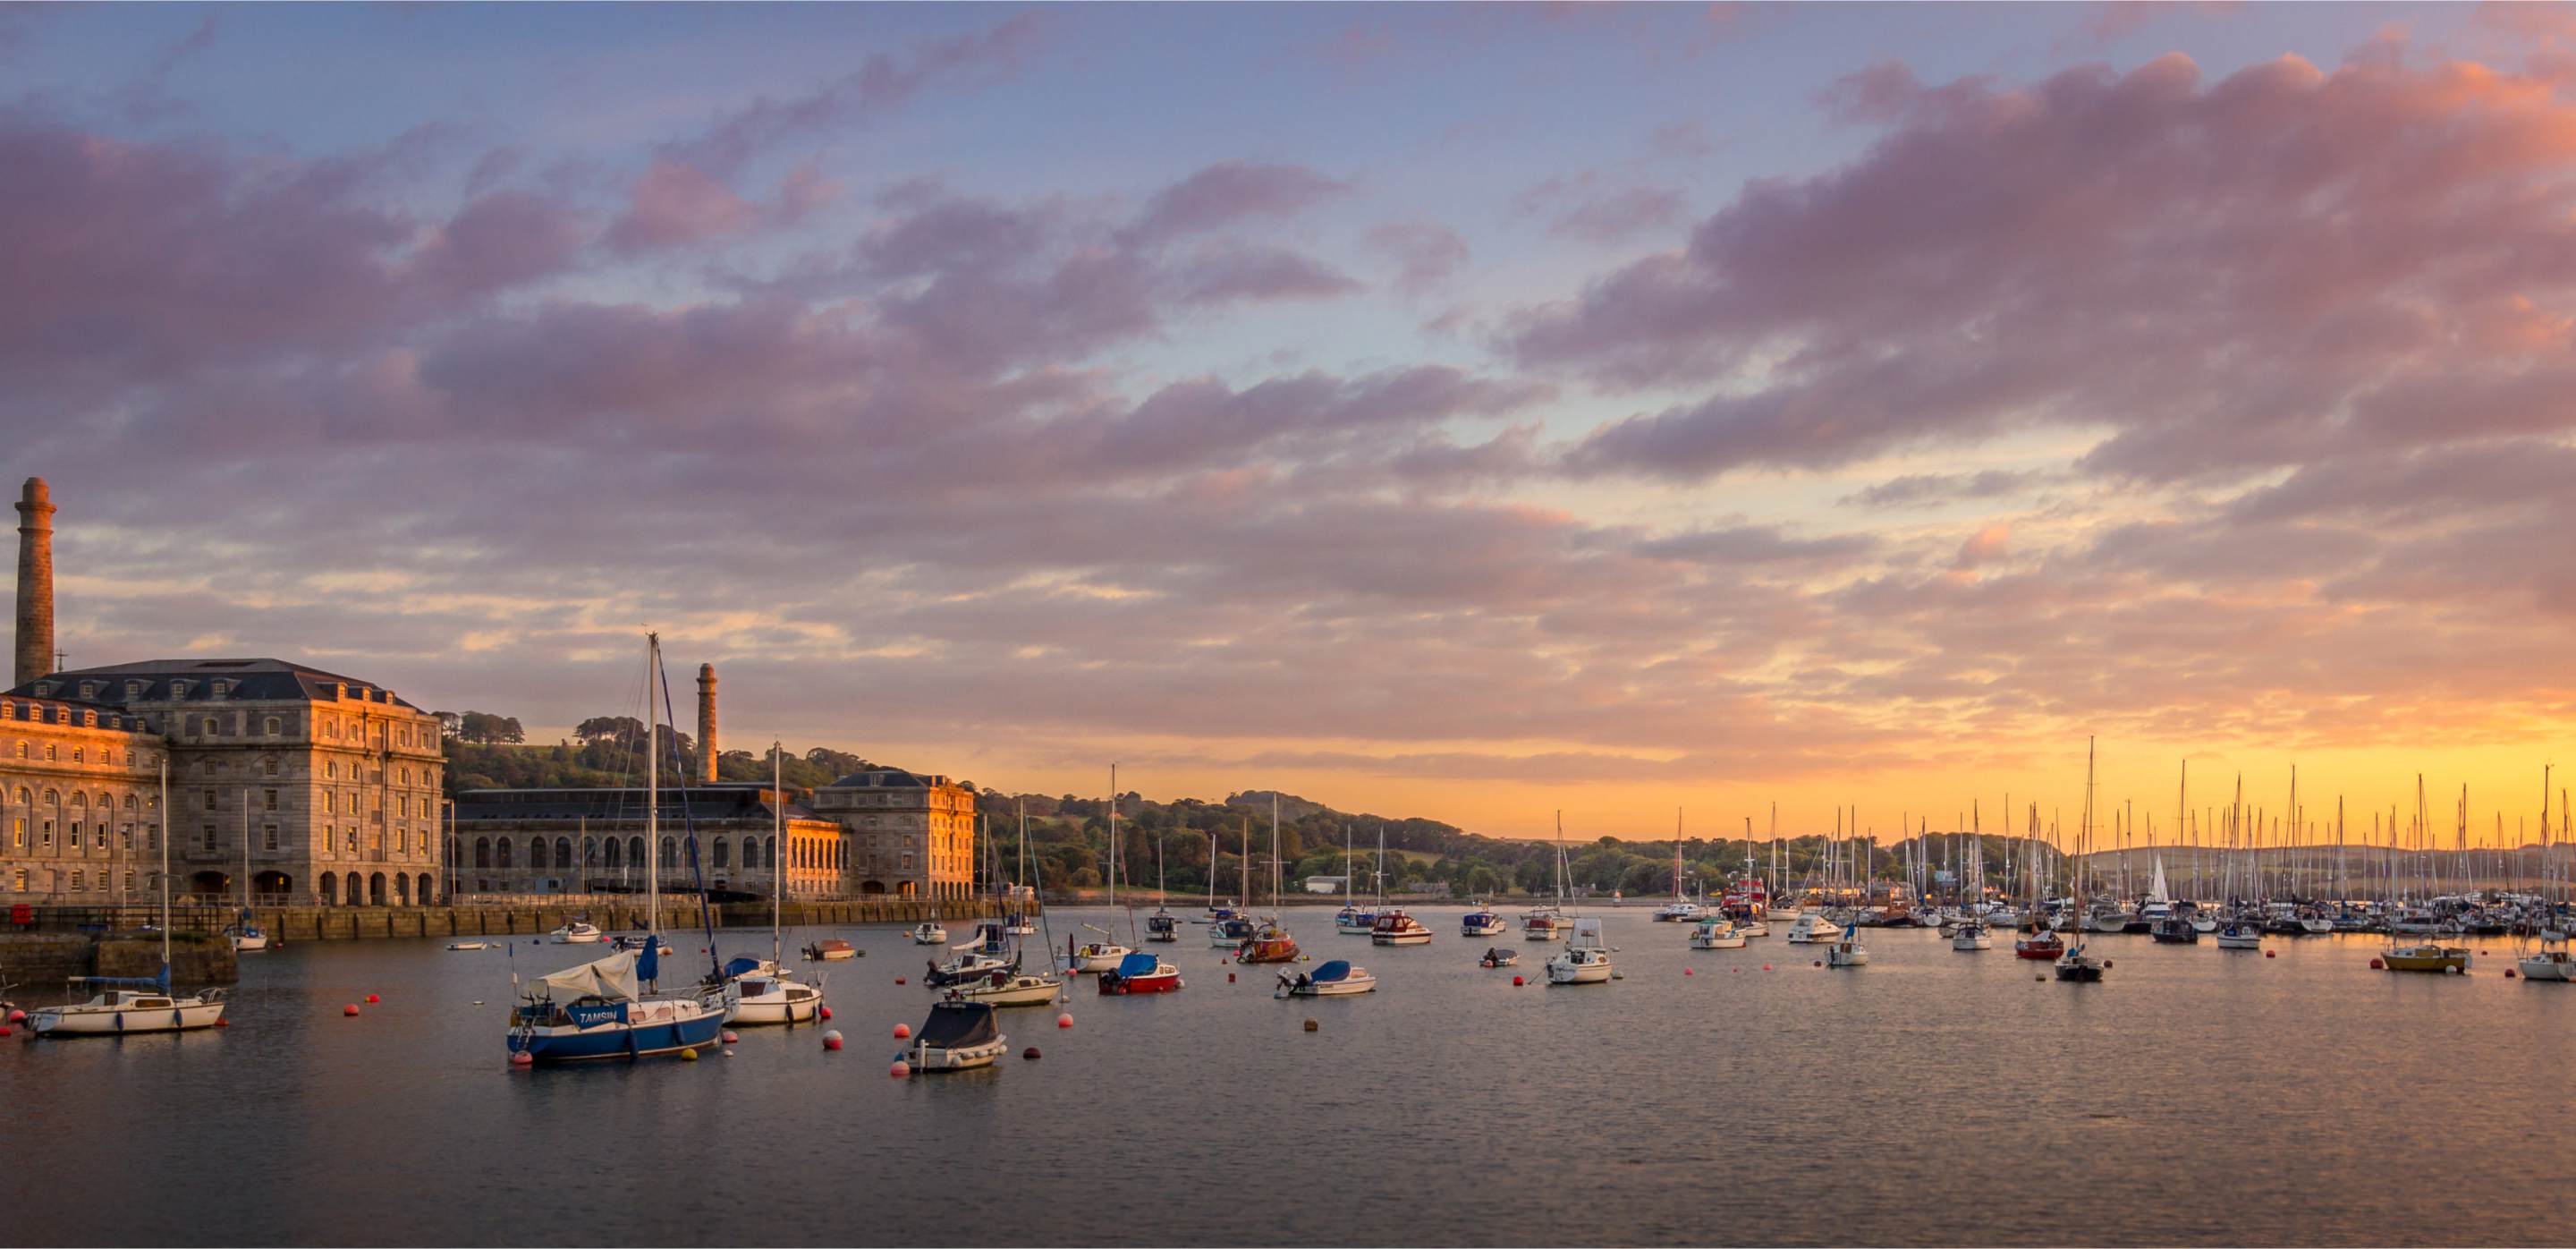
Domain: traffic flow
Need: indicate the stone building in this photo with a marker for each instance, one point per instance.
(328, 785)
(593, 841)
(912, 834)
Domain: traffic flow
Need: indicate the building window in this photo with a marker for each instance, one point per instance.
(331, 770)
(210, 800)
(76, 881)
(269, 726)
(45, 836)
(152, 837)
(210, 726)
(79, 755)
(129, 802)
(268, 799)
(129, 880)
(268, 836)
(268, 767)
(330, 803)
(129, 758)
(20, 884)
(209, 834)
(353, 839)
(125, 838)
(53, 754)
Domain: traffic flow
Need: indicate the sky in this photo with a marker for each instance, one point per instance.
(1474, 412)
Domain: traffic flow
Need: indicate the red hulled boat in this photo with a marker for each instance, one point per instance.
(1140, 973)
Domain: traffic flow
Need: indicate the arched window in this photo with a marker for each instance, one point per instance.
(501, 855)
(563, 852)
(616, 853)
(722, 859)
(773, 854)
(670, 853)
(635, 852)
(330, 888)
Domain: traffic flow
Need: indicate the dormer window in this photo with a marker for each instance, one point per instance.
(45, 689)
(178, 690)
(220, 689)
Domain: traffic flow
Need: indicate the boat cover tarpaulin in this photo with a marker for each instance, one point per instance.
(648, 961)
(742, 966)
(956, 1025)
(1135, 965)
(611, 978)
(1338, 969)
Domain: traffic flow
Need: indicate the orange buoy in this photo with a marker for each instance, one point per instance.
(824, 1012)
(1064, 1021)
(1516, 982)
(900, 1069)
(371, 999)
(903, 1032)
(350, 1009)
(729, 1037)
(523, 1059)
(1311, 1025)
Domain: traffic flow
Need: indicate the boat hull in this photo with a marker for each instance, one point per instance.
(1730, 941)
(2547, 969)
(1116, 985)
(1017, 991)
(931, 1059)
(1589, 973)
(74, 1021)
(1400, 938)
(567, 1043)
(2434, 959)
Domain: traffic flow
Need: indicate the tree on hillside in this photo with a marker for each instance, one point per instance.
(484, 728)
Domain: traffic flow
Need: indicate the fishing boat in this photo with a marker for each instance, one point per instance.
(1394, 927)
(1336, 978)
(1813, 928)
(928, 933)
(1971, 935)
(958, 1036)
(1716, 934)
(1481, 922)
(1585, 958)
(1497, 956)
(1140, 973)
(2429, 956)
(600, 1010)
(575, 932)
(831, 950)
(133, 1005)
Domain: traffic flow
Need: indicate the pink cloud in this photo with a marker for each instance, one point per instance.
(1225, 194)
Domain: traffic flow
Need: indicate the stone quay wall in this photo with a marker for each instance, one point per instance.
(622, 912)
(39, 963)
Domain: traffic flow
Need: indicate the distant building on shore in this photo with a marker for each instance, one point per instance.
(586, 840)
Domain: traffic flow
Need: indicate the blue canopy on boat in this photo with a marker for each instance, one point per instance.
(1337, 969)
(648, 962)
(740, 966)
(1135, 965)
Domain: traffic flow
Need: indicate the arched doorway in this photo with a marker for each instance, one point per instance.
(356, 887)
(330, 888)
(272, 884)
(427, 892)
(482, 852)
(376, 889)
(563, 852)
(872, 887)
(210, 883)
(402, 890)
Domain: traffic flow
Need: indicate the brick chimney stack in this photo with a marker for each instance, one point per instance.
(706, 720)
(35, 582)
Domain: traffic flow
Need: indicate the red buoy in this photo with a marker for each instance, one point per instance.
(898, 980)
(371, 999)
(1064, 1021)
(2508, 973)
(900, 1069)
(729, 1037)
(2271, 954)
(903, 1032)
(350, 1009)
(1031, 1053)
(4, 1029)
(2376, 965)
(825, 1012)
(523, 1059)
(1229, 977)
(832, 1040)
(1686, 971)
(1516, 982)
(1766, 967)
(17, 1016)
(220, 1023)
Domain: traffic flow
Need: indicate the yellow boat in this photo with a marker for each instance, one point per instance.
(2430, 956)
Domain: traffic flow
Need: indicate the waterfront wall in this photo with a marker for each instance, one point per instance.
(530, 916)
(39, 962)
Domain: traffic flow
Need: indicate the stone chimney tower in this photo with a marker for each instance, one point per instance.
(35, 582)
(706, 717)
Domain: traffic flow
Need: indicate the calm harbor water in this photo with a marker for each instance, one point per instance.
(1932, 1097)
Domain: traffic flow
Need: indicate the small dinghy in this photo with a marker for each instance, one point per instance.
(958, 1036)
(1336, 978)
(927, 933)
(831, 950)
(469, 945)
(1497, 956)
(1140, 973)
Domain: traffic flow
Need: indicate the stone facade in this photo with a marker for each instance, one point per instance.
(332, 784)
(80, 802)
(593, 841)
(912, 834)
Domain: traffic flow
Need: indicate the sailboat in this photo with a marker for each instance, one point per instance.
(1547, 921)
(1016, 985)
(1161, 926)
(1104, 954)
(1351, 921)
(1585, 958)
(246, 938)
(607, 1009)
(2075, 964)
(760, 991)
(1271, 942)
(2552, 963)
(133, 1005)
(2428, 955)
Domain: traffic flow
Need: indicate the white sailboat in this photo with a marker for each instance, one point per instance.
(761, 991)
(132, 1006)
(1016, 985)
(246, 937)
(1585, 958)
(1104, 954)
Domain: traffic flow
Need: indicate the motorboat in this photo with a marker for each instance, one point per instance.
(2551, 963)
(958, 1036)
(1270, 943)
(1140, 973)
(2431, 956)
(2175, 930)
(623, 941)
(599, 1010)
(761, 994)
(1813, 928)
(2039, 943)
(1585, 958)
(1232, 930)
(1679, 911)
(127, 1012)
(1351, 921)
(1098, 956)
(575, 933)
(1336, 978)
(2238, 932)
(831, 950)
(928, 933)
(1753, 927)
(1162, 926)
(1481, 922)
(967, 965)
(1394, 927)
(1497, 956)
(1847, 952)
(1971, 935)
(1545, 923)
(1018, 925)
(1716, 934)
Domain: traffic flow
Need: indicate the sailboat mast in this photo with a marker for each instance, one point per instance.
(652, 792)
(1113, 844)
(165, 866)
(777, 834)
